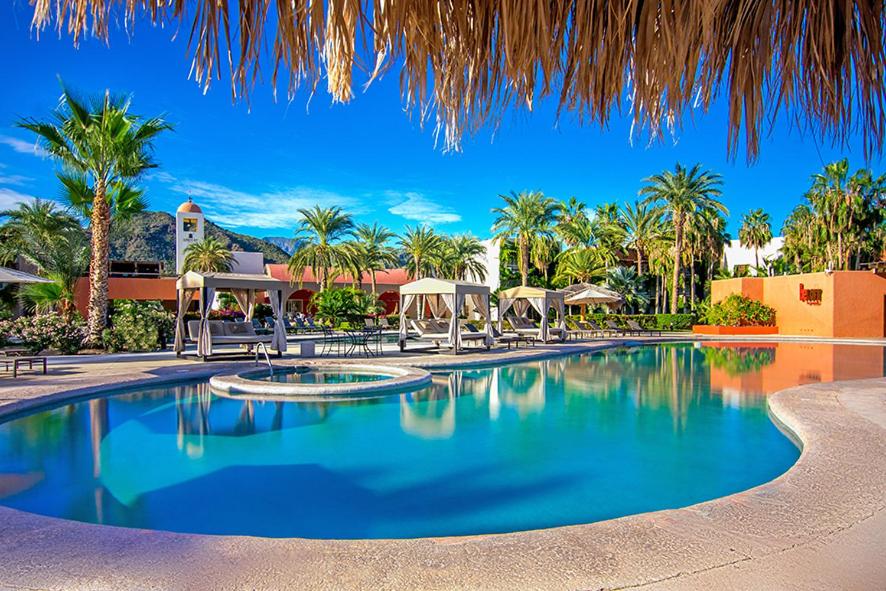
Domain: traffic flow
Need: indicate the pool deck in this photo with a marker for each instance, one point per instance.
(821, 525)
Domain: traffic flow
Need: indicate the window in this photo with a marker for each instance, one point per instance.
(189, 224)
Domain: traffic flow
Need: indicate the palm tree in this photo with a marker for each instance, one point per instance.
(322, 245)
(755, 232)
(526, 217)
(465, 251)
(208, 256)
(544, 251)
(629, 285)
(372, 252)
(420, 243)
(106, 145)
(580, 265)
(683, 193)
(53, 241)
(642, 225)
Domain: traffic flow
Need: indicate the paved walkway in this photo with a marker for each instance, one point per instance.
(822, 525)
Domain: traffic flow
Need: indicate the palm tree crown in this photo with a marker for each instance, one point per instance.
(755, 232)
(323, 247)
(420, 243)
(371, 251)
(208, 256)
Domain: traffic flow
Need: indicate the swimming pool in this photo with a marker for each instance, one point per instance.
(530, 445)
(319, 376)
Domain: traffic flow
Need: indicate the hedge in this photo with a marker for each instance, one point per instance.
(648, 321)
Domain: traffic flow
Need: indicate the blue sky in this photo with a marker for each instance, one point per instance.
(252, 166)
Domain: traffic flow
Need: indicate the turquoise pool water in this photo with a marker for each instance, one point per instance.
(531, 445)
(320, 377)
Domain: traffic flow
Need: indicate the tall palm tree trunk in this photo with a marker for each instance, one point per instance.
(372, 280)
(678, 246)
(98, 269)
(524, 261)
(639, 262)
(692, 282)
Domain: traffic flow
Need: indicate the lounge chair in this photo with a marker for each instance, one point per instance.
(511, 338)
(616, 328)
(594, 328)
(383, 323)
(437, 331)
(257, 325)
(634, 326)
(581, 329)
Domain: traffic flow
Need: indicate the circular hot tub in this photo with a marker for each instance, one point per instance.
(339, 380)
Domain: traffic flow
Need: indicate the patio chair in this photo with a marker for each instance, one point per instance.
(616, 328)
(511, 338)
(639, 330)
(594, 328)
(383, 323)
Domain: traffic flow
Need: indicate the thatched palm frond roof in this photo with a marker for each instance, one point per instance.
(466, 61)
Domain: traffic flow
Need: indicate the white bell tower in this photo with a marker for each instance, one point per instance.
(189, 228)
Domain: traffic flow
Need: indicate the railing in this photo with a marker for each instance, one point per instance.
(262, 348)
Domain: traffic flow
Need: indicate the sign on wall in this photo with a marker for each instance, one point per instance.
(810, 296)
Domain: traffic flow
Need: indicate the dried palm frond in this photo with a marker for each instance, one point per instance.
(466, 61)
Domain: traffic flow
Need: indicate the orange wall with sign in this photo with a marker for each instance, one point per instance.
(853, 303)
(129, 288)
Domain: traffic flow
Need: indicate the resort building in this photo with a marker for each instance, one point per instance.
(830, 304)
(740, 260)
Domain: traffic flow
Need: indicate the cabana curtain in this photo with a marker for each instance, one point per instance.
(279, 339)
(246, 300)
(541, 300)
(204, 342)
(184, 299)
(446, 295)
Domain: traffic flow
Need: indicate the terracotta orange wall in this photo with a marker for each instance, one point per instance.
(860, 307)
(128, 288)
(852, 302)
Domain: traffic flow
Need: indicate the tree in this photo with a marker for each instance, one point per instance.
(629, 285)
(105, 145)
(53, 241)
(683, 193)
(642, 225)
(461, 258)
(526, 217)
(420, 243)
(208, 256)
(372, 252)
(755, 232)
(580, 265)
(322, 245)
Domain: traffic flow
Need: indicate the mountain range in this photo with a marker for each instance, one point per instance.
(150, 236)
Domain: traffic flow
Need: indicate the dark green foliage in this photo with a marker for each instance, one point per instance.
(648, 321)
(138, 326)
(737, 310)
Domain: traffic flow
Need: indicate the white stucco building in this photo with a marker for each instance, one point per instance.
(735, 255)
(190, 226)
(490, 260)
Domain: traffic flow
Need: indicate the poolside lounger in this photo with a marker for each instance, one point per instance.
(616, 328)
(634, 326)
(597, 328)
(383, 323)
(437, 331)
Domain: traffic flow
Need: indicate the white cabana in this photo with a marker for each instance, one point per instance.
(541, 300)
(444, 297)
(244, 289)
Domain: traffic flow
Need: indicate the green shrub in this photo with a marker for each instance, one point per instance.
(737, 310)
(49, 331)
(138, 326)
(647, 321)
(337, 306)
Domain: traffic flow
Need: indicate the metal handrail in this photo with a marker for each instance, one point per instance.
(261, 347)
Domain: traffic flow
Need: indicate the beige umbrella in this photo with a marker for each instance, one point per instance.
(8, 275)
(593, 295)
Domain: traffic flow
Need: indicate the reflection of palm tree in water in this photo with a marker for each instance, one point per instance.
(192, 413)
(523, 386)
(246, 420)
(99, 422)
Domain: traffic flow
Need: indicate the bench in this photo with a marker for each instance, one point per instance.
(17, 362)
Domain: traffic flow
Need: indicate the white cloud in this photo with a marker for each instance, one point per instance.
(10, 199)
(277, 209)
(417, 207)
(23, 147)
(161, 176)
(13, 179)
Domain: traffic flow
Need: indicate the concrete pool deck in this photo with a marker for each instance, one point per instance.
(821, 525)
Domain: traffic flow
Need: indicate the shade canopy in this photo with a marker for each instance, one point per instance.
(466, 64)
(444, 297)
(542, 300)
(594, 295)
(244, 288)
(8, 275)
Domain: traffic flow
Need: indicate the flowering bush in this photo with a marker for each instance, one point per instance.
(45, 331)
(138, 326)
(737, 310)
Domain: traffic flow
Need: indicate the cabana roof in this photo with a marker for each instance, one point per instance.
(466, 63)
(432, 286)
(196, 280)
(525, 291)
